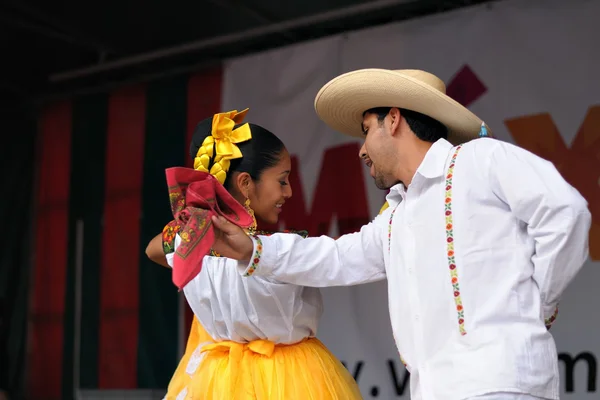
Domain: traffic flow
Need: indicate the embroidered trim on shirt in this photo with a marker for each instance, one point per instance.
(255, 256)
(390, 228)
(168, 236)
(551, 319)
(450, 245)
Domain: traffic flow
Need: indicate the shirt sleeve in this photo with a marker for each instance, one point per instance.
(556, 215)
(320, 261)
(168, 236)
(174, 245)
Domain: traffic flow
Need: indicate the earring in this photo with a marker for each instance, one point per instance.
(252, 229)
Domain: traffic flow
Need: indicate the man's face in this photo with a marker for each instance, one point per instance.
(377, 150)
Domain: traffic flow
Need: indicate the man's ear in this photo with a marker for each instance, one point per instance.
(395, 120)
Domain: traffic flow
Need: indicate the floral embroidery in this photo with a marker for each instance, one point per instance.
(390, 228)
(255, 256)
(177, 200)
(168, 236)
(450, 245)
(193, 222)
(551, 319)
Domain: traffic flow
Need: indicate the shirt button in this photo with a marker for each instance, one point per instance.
(416, 317)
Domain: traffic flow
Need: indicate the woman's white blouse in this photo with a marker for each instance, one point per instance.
(233, 307)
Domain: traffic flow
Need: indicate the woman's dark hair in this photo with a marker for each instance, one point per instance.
(424, 127)
(259, 153)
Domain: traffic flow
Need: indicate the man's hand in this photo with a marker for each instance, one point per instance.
(231, 241)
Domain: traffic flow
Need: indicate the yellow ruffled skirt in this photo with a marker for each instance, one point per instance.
(259, 370)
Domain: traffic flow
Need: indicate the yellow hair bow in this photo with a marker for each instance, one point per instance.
(223, 138)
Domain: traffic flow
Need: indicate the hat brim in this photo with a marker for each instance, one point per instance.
(342, 102)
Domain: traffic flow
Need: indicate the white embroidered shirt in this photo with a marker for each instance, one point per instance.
(469, 294)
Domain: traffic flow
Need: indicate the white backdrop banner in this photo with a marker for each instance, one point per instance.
(529, 69)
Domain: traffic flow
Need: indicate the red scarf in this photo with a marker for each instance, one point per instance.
(195, 197)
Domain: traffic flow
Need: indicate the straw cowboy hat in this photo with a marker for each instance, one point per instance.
(343, 100)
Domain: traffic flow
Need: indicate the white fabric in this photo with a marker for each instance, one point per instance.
(518, 50)
(506, 396)
(520, 237)
(196, 359)
(232, 307)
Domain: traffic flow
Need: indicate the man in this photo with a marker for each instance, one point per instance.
(478, 243)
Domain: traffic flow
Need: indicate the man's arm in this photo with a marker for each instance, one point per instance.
(556, 215)
(319, 262)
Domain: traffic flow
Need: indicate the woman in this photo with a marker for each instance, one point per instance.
(251, 338)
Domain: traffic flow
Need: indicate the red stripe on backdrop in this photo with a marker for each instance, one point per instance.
(119, 300)
(203, 101)
(48, 292)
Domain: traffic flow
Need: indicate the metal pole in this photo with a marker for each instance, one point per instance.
(79, 239)
(111, 85)
(229, 38)
(57, 28)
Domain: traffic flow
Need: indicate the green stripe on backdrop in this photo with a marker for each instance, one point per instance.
(85, 205)
(165, 141)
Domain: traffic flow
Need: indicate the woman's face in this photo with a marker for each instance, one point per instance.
(268, 194)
